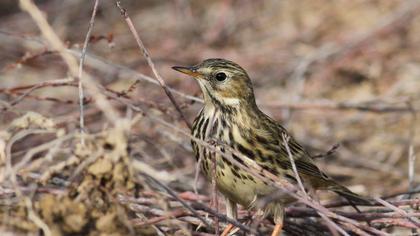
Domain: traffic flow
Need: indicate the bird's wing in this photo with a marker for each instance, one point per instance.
(305, 164)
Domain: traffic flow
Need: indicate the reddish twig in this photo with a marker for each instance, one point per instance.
(396, 222)
(174, 195)
(174, 214)
(32, 88)
(370, 106)
(399, 211)
(27, 58)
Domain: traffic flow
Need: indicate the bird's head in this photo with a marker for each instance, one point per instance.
(222, 82)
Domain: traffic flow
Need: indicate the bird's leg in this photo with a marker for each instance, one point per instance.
(226, 231)
(231, 212)
(231, 209)
(277, 229)
(257, 218)
(278, 220)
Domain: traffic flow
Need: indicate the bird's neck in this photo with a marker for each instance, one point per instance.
(234, 110)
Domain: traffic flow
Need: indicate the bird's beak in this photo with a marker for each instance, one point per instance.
(189, 70)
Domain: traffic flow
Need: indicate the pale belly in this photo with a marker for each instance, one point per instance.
(236, 184)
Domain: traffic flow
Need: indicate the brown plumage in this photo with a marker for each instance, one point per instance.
(231, 116)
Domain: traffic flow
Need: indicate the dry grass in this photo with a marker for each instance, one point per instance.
(332, 72)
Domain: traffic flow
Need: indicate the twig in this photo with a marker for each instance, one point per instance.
(196, 205)
(332, 150)
(107, 66)
(150, 62)
(286, 139)
(331, 225)
(349, 223)
(35, 218)
(223, 217)
(299, 212)
(174, 195)
(26, 58)
(373, 106)
(40, 148)
(38, 98)
(80, 73)
(35, 87)
(398, 210)
(396, 222)
(174, 214)
(395, 203)
(10, 171)
(57, 44)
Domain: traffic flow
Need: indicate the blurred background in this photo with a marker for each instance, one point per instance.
(345, 72)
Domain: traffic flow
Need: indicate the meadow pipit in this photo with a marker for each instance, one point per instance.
(231, 116)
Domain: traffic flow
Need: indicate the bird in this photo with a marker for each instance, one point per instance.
(231, 116)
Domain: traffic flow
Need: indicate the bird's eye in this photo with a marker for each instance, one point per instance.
(221, 76)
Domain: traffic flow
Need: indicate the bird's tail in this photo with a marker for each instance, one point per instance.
(349, 195)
